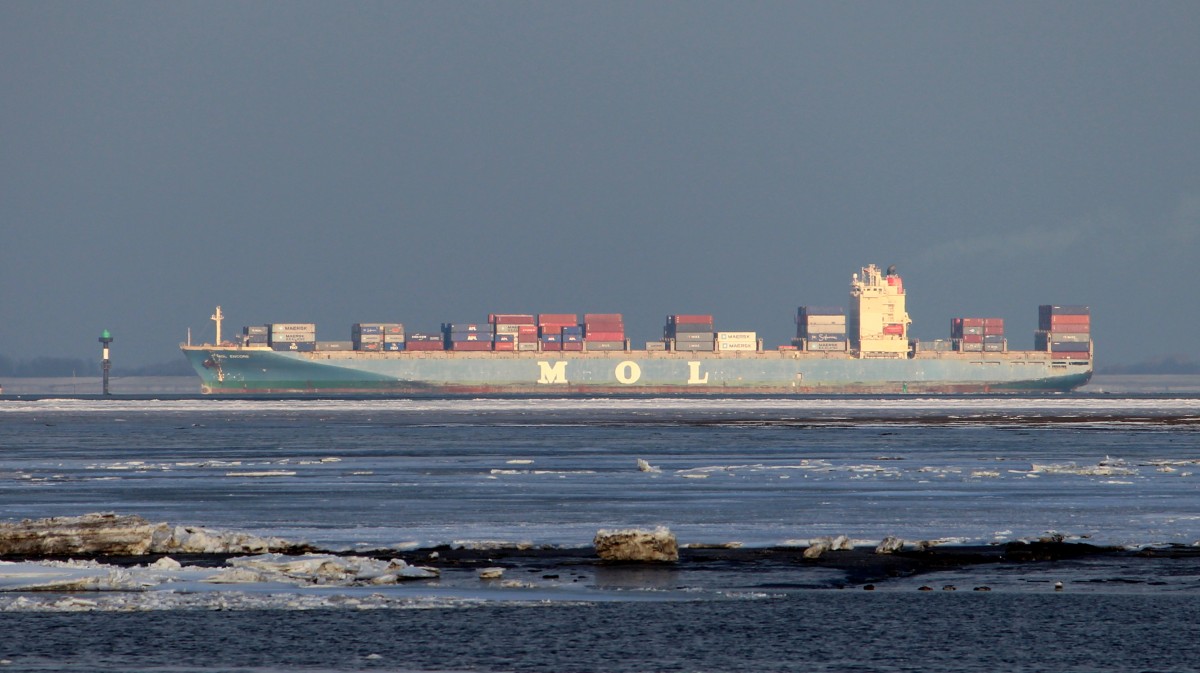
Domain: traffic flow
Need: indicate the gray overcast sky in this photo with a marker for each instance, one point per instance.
(436, 161)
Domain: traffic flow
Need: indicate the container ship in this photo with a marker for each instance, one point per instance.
(862, 349)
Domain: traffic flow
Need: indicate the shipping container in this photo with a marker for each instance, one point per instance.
(424, 336)
(335, 345)
(972, 338)
(251, 330)
(1077, 337)
(604, 345)
(393, 346)
(298, 327)
(572, 346)
(465, 337)
(551, 346)
(466, 327)
(695, 345)
(424, 345)
(504, 346)
(602, 317)
(970, 347)
(369, 338)
(560, 319)
(527, 346)
(378, 346)
(505, 339)
(683, 327)
(656, 346)
(821, 320)
(508, 329)
(292, 337)
(511, 319)
(825, 346)
(605, 336)
(684, 318)
(804, 311)
(1069, 347)
(682, 337)
(824, 337)
(298, 346)
(366, 328)
(737, 345)
(1052, 309)
(469, 345)
(574, 330)
(737, 336)
(572, 339)
(552, 339)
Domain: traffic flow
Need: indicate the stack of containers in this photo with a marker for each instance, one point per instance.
(1065, 331)
(425, 341)
(255, 335)
(976, 335)
(513, 331)
(468, 336)
(550, 328)
(377, 336)
(821, 328)
(292, 336)
(604, 331)
(690, 332)
(393, 336)
(737, 341)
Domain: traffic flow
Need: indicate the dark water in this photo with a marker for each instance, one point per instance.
(810, 631)
(349, 473)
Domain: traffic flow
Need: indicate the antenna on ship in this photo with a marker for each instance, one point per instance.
(217, 318)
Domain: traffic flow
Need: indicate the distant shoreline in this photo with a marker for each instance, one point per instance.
(1145, 384)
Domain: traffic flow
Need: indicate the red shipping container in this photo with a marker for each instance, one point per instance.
(894, 328)
(602, 317)
(505, 346)
(993, 322)
(1070, 320)
(972, 338)
(425, 346)
(527, 330)
(510, 319)
(972, 322)
(605, 336)
(470, 345)
(990, 330)
(572, 346)
(557, 319)
(551, 346)
(789, 348)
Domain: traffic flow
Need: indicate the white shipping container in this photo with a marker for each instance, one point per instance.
(827, 346)
(508, 329)
(297, 337)
(737, 336)
(298, 327)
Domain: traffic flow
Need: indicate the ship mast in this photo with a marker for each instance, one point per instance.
(217, 318)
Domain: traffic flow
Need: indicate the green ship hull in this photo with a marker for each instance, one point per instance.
(232, 370)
